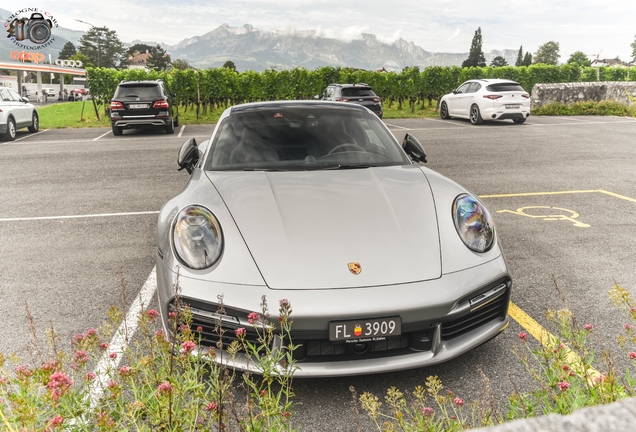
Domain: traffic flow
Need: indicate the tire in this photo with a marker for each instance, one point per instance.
(443, 111)
(519, 121)
(170, 127)
(35, 123)
(10, 134)
(475, 115)
(117, 130)
(176, 122)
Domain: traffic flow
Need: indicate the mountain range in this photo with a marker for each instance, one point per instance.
(253, 49)
(250, 48)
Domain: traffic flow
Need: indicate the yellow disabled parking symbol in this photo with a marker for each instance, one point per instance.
(549, 214)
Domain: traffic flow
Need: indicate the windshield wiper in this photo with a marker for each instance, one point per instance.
(349, 166)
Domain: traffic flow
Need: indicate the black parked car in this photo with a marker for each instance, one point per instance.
(358, 93)
(139, 104)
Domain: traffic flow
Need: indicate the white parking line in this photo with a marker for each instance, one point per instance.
(392, 125)
(103, 135)
(181, 131)
(126, 329)
(77, 216)
(447, 122)
(89, 140)
(30, 135)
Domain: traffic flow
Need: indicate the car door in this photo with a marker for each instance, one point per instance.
(10, 106)
(469, 98)
(22, 109)
(455, 100)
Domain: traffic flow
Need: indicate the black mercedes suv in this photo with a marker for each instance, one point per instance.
(138, 104)
(358, 93)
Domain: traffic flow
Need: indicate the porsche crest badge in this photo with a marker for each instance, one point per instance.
(355, 268)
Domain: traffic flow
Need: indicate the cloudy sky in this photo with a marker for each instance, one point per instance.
(591, 26)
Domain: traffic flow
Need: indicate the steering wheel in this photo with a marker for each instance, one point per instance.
(355, 147)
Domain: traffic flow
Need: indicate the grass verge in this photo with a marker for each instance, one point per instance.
(603, 108)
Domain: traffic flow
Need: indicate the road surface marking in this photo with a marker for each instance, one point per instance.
(623, 197)
(571, 218)
(181, 131)
(103, 135)
(30, 135)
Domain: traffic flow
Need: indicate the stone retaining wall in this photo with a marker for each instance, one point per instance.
(544, 94)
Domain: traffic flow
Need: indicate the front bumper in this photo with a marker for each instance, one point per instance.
(426, 308)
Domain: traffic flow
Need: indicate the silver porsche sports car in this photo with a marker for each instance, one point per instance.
(388, 265)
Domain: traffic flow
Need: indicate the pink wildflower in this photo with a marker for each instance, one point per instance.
(628, 327)
(103, 346)
(49, 366)
(427, 411)
(90, 377)
(59, 384)
(600, 378)
(632, 310)
(164, 388)
(572, 373)
(199, 329)
(172, 315)
(159, 332)
(188, 346)
(459, 402)
(240, 332)
(125, 371)
(210, 407)
(280, 319)
(563, 386)
(566, 367)
(284, 302)
(23, 372)
(91, 332)
(252, 318)
(287, 414)
(588, 327)
(523, 336)
(152, 314)
(263, 392)
(81, 357)
(632, 355)
(454, 418)
(78, 338)
(113, 355)
(56, 421)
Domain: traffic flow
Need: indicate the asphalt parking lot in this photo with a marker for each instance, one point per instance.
(79, 206)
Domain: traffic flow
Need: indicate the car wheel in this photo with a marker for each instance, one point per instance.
(170, 127)
(9, 135)
(475, 115)
(176, 122)
(519, 121)
(35, 123)
(443, 111)
(117, 130)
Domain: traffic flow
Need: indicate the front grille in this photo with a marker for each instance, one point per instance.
(210, 334)
(476, 318)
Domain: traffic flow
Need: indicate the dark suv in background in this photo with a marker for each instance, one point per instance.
(358, 93)
(138, 104)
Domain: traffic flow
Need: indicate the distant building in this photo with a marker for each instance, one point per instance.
(615, 63)
(140, 61)
(9, 81)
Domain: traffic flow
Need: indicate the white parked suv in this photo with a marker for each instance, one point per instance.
(48, 91)
(16, 112)
(487, 99)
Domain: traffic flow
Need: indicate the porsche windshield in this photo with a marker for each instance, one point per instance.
(302, 138)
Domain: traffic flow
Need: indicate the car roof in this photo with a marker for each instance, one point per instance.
(492, 80)
(255, 106)
(132, 83)
(350, 85)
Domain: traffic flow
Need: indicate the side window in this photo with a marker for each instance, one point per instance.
(463, 88)
(474, 87)
(6, 97)
(331, 92)
(14, 95)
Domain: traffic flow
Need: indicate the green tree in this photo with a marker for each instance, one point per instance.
(519, 61)
(181, 64)
(139, 48)
(86, 62)
(580, 58)
(633, 45)
(103, 47)
(67, 51)
(476, 55)
(498, 61)
(230, 65)
(158, 60)
(527, 59)
(548, 53)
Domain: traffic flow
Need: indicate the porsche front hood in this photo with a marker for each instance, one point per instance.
(304, 228)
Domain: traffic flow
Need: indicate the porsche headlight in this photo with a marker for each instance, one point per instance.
(197, 237)
(473, 223)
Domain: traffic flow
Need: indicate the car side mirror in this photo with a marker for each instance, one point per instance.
(25, 100)
(188, 155)
(413, 148)
(455, 91)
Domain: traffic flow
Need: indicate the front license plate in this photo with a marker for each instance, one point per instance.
(512, 106)
(365, 330)
(138, 106)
